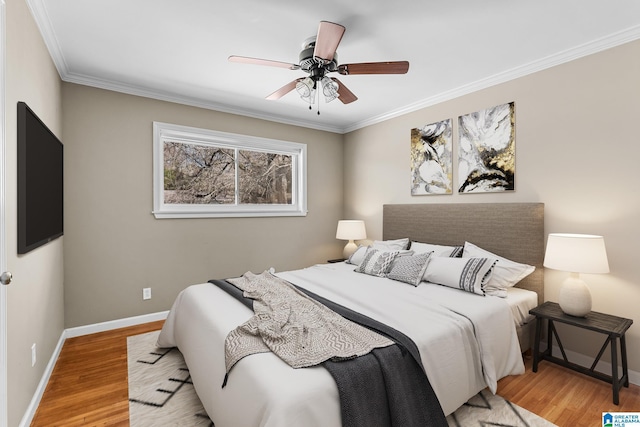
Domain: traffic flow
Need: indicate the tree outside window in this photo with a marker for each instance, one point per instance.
(204, 173)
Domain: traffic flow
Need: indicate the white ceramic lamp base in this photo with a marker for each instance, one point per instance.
(574, 297)
(349, 249)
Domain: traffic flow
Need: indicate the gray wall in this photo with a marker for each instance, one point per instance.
(577, 151)
(35, 312)
(114, 246)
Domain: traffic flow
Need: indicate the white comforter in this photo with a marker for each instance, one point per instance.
(466, 343)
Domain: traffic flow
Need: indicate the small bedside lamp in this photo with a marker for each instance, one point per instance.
(350, 230)
(576, 253)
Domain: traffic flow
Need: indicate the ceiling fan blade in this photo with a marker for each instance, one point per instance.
(396, 67)
(267, 62)
(283, 90)
(327, 40)
(346, 96)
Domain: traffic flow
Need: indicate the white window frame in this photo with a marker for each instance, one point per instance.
(166, 132)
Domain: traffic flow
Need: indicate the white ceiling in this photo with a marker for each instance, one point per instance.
(177, 50)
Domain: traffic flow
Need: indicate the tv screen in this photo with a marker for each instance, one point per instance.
(40, 210)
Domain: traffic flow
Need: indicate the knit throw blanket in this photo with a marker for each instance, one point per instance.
(298, 329)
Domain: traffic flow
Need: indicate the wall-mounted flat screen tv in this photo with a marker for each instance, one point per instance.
(40, 175)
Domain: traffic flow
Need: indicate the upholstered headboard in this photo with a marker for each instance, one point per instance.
(512, 230)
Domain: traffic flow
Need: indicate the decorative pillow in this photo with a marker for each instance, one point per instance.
(438, 250)
(468, 274)
(391, 245)
(457, 252)
(410, 269)
(506, 272)
(376, 262)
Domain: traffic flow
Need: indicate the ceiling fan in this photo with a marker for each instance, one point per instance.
(318, 58)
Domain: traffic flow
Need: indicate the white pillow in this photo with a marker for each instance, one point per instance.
(410, 269)
(357, 257)
(438, 250)
(376, 262)
(467, 274)
(506, 272)
(391, 245)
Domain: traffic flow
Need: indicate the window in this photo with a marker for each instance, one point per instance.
(205, 173)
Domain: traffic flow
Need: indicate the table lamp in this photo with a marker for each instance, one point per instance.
(576, 253)
(350, 230)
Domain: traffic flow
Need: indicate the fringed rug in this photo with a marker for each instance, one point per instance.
(161, 394)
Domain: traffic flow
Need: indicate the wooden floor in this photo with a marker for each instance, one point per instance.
(88, 387)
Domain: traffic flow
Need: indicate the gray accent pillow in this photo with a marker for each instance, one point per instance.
(410, 269)
(376, 263)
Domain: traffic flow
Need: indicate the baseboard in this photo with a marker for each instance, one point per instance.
(115, 324)
(604, 367)
(42, 385)
(77, 332)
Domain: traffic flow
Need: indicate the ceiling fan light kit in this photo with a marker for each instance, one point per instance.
(306, 88)
(329, 89)
(318, 58)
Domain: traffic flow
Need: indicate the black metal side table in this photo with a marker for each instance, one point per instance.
(612, 326)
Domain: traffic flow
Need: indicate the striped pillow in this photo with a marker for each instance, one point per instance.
(467, 274)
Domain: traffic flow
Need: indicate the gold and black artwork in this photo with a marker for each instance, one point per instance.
(431, 159)
(486, 150)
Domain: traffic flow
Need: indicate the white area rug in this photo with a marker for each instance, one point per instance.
(160, 388)
(486, 409)
(161, 394)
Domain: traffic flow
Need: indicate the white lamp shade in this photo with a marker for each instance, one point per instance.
(351, 230)
(576, 253)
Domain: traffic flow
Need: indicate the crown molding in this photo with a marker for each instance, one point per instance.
(42, 20)
(608, 42)
(40, 15)
(39, 12)
(190, 101)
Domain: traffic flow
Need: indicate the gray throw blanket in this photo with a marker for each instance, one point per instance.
(298, 329)
(385, 388)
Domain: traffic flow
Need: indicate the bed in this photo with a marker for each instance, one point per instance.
(467, 354)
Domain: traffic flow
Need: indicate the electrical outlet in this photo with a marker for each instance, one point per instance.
(146, 293)
(33, 355)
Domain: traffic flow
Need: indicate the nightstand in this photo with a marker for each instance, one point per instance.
(612, 326)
